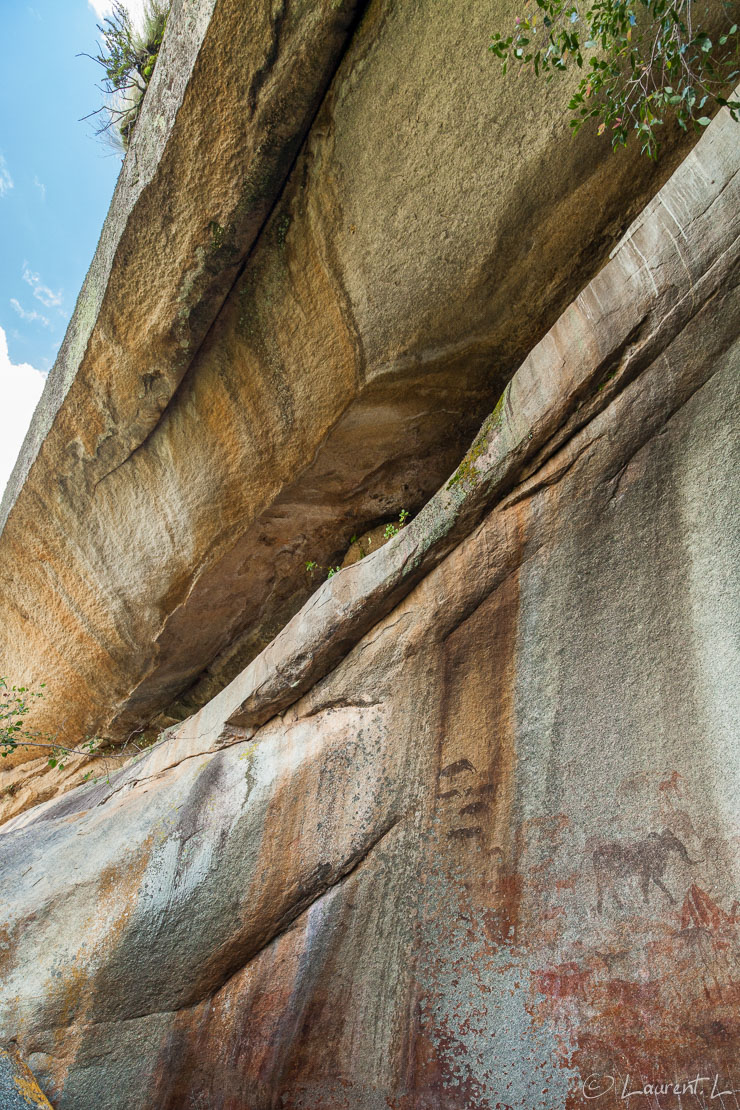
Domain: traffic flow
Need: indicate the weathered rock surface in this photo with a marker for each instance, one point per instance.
(18, 1087)
(465, 835)
(277, 348)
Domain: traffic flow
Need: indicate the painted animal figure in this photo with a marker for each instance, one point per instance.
(647, 860)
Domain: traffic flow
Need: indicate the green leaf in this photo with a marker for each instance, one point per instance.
(704, 121)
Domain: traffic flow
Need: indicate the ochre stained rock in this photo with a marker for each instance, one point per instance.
(18, 1087)
(339, 230)
(464, 835)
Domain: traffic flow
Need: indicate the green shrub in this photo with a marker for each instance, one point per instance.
(128, 58)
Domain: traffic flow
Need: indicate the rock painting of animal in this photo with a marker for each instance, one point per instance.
(617, 861)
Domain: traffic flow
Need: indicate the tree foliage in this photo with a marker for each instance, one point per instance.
(128, 58)
(16, 703)
(643, 60)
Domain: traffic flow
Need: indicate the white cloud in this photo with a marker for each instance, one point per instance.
(40, 186)
(41, 292)
(30, 317)
(20, 388)
(6, 181)
(135, 8)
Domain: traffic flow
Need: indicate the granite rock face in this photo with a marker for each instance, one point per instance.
(337, 234)
(465, 834)
(18, 1087)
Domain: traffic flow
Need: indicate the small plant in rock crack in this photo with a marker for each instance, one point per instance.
(392, 530)
(312, 568)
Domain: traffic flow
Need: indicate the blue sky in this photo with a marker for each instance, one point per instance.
(56, 181)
